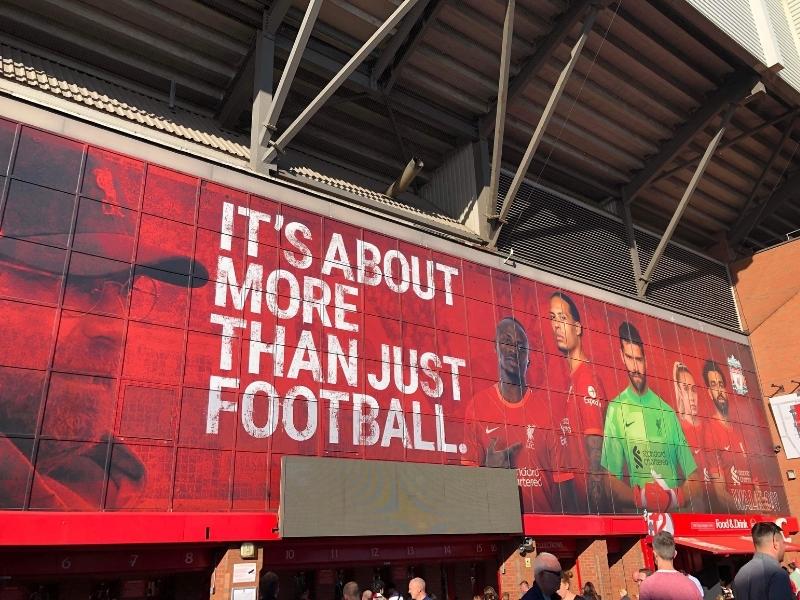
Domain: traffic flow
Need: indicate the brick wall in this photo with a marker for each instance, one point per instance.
(608, 571)
(222, 578)
(768, 292)
(514, 569)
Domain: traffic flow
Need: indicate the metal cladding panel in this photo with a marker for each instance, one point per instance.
(793, 10)
(453, 187)
(735, 18)
(781, 26)
(689, 282)
(551, 231)
(334, 497)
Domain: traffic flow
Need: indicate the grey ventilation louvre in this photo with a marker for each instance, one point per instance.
(547, 230)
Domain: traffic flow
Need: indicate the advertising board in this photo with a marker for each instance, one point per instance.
(166, 340)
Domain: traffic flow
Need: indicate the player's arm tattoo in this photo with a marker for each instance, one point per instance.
(597, 495)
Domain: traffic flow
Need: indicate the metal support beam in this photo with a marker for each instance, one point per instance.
(414, 38)
(544, 120)
(644, 281)
(733, 91)
(630, 239)
(276, 15)
(534, 63)
(500, 118)
(287, 136)
(753, 213)
(240, 92)
(295, 55)
(732, 142)
(389, 52)
(263, 65)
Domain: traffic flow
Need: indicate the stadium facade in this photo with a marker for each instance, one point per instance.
(377, 290)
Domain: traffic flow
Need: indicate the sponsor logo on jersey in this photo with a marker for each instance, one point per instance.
(735, 476)
(529, 477)
(491, 430)
(637, 457)
(591, 396)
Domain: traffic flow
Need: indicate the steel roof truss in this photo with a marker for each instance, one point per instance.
(645, 279)
(263, 65)
(270, 122)
(732, 142)
(541, 55)
(737, 88)
(754, 214)
(538, 133)
(402, 55)
(389, 52)
(500, 107)
(338, 79)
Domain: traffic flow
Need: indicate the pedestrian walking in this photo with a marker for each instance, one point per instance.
(638, 578)
(667, 583)
(564, 592)
(268, 586)
(416, 589)
(589, 592)
(547, 578)
(350, 591)
(377, 590)
(762, 578)
(794, 574)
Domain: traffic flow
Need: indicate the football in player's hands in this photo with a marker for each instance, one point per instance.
(654, 498)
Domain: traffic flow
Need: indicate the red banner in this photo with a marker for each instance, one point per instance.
(166, 340)
(696, 524)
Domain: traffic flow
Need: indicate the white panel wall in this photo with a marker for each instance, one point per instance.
(453, 188)
(734, 17)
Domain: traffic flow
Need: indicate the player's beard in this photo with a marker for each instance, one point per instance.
(722, 406)
(638, 381)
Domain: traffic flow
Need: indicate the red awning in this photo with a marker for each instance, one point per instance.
(723, 544)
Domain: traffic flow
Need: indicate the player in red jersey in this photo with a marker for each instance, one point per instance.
(731, 468)
(583, 412)
(508, 427)
(687, 407)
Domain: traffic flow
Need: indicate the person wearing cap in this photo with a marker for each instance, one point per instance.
(81, 464)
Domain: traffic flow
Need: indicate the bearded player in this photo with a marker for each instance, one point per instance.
(584, 405)
(734, 485)
(644, 448)
(507, 423)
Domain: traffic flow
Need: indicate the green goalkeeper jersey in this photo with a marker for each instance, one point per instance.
(642, 436)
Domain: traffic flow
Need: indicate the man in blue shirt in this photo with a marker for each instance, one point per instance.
(763, 578)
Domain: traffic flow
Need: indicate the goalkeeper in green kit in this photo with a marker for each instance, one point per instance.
(644, 448)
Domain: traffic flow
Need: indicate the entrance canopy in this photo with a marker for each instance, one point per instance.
(724, 544)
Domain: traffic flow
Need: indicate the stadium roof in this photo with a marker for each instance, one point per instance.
(651, 86)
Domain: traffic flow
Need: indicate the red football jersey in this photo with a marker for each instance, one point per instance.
(581, 415)
(728, 444)
(516, 436)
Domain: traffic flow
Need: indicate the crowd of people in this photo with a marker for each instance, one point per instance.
(762, 578)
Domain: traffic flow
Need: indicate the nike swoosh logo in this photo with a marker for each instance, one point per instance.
(491, 429)
(728, 447)
(629, 424)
